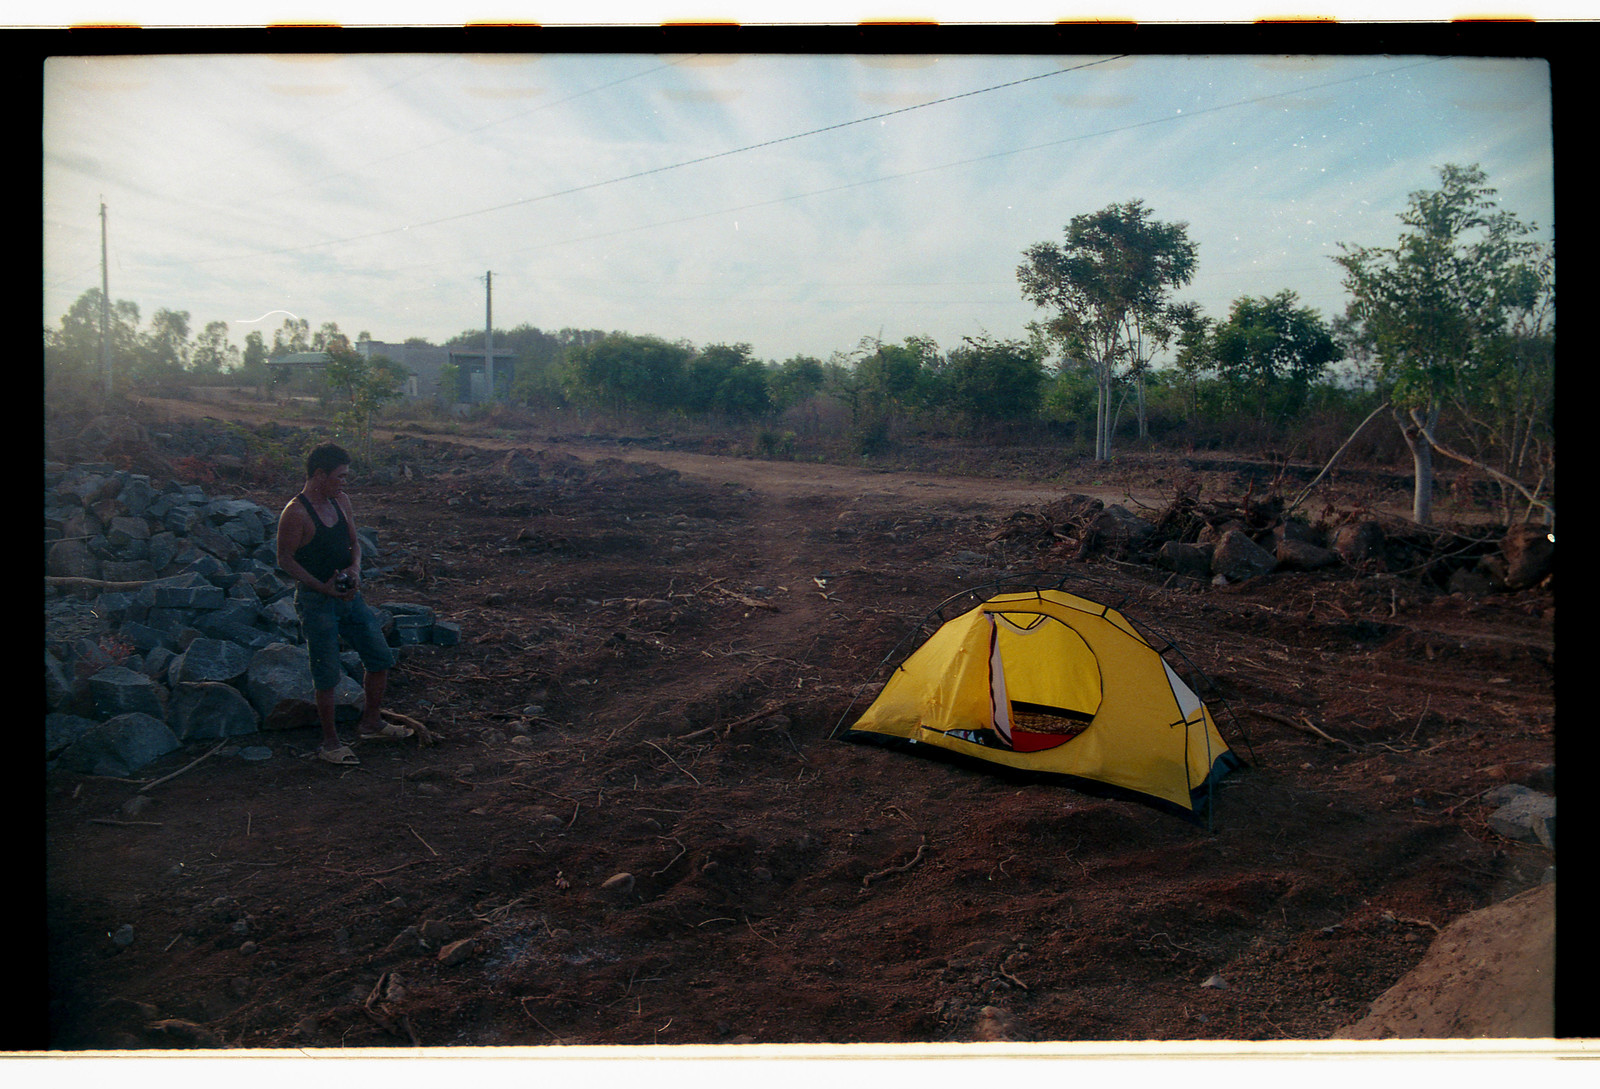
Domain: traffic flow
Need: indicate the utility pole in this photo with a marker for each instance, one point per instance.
(488, 331)
(105, 307)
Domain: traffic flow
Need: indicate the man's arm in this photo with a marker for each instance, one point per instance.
(354, 570)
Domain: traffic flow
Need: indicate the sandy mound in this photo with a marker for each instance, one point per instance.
(1489, 974)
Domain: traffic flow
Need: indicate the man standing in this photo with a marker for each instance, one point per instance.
(319, 549)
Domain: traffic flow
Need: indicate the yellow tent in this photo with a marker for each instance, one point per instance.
(1048, 682)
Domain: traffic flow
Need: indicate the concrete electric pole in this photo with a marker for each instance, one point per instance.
(105, 308)
(488, 331)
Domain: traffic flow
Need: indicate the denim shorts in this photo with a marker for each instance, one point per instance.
(324, 619)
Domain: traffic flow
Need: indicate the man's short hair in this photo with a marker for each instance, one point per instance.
(325, 457)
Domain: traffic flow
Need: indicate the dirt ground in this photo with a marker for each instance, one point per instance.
(656, 646)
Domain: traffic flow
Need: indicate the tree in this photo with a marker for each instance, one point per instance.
(72, 350)
(1107, 286)
(893, 372)
(1196, 354)
(1458, 307)
(1275, 349)
(794, 381)
(1148, 333)
(624, 371)
(366, 384)
(212, 353)
(724, 378)
(887, 379)
(253, 360)
(995, 380)
(163, 351)
(294, 335)
(326, 336)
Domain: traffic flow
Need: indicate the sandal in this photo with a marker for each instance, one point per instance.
(342, 756)
(392, 732)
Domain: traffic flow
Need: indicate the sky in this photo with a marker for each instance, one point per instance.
(796, 202)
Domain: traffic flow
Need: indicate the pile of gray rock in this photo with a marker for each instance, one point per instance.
(167, 621)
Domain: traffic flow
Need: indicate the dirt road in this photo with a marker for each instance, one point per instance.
(780, 478)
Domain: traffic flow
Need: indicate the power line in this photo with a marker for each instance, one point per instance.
(902, 175)
(367, 164)
(662, 169)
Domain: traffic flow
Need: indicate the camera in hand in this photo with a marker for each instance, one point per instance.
(342, 581)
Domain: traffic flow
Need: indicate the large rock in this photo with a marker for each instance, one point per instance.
(229, 509)
(1237, 557)
(204, 596)
(137, 494)
(57, 682)
(72, 559)
(1470, 581)
(1293, 530)
(278, 685)
(87, 487)
(145, 597)
(164, 549)
(281, 614)
(217, 543)
(221, 627)
(1359, 543)
(1118, 530)
(518, 464)
(1301, 555)
(208, 659)
(211, 709)
(1193, 560)
(1523, 814)
(61, 730)
(120, 746)
(247, 533)
(127, 570)
(117, 690)
(1529, 556)
(109, 434)
(144, 638)
(126, 530)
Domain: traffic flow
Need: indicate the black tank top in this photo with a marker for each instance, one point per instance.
(329, 548)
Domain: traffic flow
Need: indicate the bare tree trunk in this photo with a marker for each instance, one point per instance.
(1102, 444)
(1099, 413)
(1417, 435)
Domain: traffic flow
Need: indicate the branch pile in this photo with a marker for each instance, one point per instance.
(1226, 540)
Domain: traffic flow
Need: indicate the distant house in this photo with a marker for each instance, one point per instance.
(424, 365)
(284, 366)
(473, 381)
